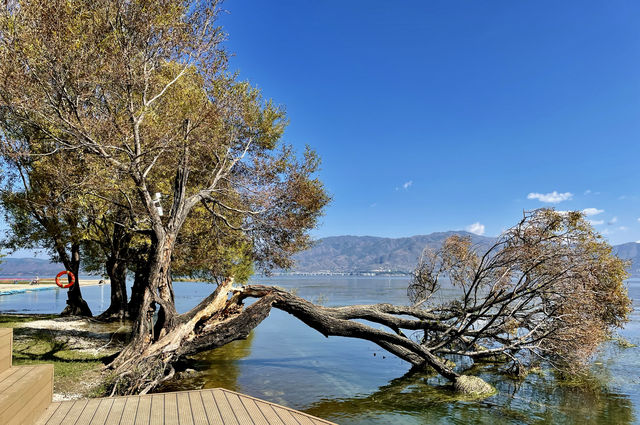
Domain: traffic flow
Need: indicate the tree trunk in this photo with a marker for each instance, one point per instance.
(152, 292)
(116, 267)
(218, 320)
(158, 295)
(117, 272)
(76, 305)
(140, 280)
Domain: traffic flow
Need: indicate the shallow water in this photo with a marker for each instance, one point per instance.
(355, 382)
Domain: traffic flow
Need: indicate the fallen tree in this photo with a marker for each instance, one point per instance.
(141, 91)
(549, 289)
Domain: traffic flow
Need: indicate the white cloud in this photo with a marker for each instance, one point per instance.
(553, 197)
(614, 220)
(591, 211)
(596, 222)
(476, 228)
(638, 219)
(587, 192)
(407, 185)
(623, 228)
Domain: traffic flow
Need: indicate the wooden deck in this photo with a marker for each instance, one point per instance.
(204, 407)
(26, 392)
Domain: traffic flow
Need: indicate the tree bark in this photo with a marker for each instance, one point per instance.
(117, 272)
(140, 280)
(76, 305)
(218, 320)
(116, 266)
(152, 292)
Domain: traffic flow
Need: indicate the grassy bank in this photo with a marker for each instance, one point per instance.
(77, 349)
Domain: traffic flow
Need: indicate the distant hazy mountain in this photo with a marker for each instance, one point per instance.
(363, 254)
(29, 267)
(353, 254)
(630, 251)
(337, 254)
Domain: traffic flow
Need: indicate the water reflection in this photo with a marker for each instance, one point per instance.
(418, 398)
(218, 368)
(355, 382)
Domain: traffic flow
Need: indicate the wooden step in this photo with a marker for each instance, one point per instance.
(25, 393)
(6, 348)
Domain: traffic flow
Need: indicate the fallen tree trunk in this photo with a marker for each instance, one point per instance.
(220, 319)
(547, 290)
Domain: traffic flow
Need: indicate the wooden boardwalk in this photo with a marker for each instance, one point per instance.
(204, 407)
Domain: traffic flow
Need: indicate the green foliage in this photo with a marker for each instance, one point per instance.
(104, 104)
(549, 288)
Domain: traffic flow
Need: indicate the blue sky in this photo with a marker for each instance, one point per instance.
(438, 115)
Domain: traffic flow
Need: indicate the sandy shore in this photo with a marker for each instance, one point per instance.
(24, 287)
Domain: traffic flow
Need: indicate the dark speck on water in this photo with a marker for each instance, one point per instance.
(346, 381)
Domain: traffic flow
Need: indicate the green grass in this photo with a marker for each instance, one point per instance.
(14, 320)
(75, 372)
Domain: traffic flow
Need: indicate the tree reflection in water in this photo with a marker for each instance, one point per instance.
(216, 368)
(539, 398)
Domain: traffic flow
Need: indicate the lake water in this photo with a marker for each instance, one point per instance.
(354, 382)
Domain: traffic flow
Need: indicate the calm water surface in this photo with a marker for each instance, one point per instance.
(355, 382)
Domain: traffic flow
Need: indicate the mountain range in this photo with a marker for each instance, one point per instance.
(339, 254)
(368, 254)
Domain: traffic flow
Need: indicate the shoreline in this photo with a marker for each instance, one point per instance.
(11, 288)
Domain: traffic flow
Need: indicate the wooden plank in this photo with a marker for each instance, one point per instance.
(51, 410)
(13, 375)
(6, 348)
(144, 411)
(225, 409)
(269, 413)
(254, 411)
(74, 412)
(157, 409)
(248, 406)
(171, 409)
(24, 391)
(183, 405)
(284, 414)
(5, 360)
(116, 411)
(102, 411)
(32, 409)
(242, 414)
(130, 411)
(301, 418)
(7, 375)
(60, 413)
(210, 406)
(84, 418)
(113, 418)
(297, 414)
(198, 411)
(204, 407)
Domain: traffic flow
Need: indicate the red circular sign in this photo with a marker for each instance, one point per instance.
(62, 273)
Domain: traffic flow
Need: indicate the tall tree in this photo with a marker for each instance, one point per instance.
(43, 210)
(143, 87)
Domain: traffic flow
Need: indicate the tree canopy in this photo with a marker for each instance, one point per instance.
(550, 288)
(141, 89)
(136, 97)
